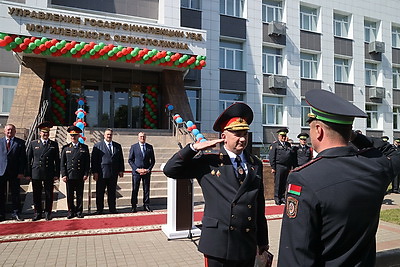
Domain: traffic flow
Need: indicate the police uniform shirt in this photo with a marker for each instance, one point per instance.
(233, 156)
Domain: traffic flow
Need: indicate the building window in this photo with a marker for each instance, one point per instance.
(7, 89)
(231, 55)
(308, 18)
(272, 60)
(396, 37)
(195, 4)
(272, 110)
(396, 118)
(372, 112)
(227, 99)
(396, 78)
(341, 70)
(194, 102)
(369, 31)
(231, 7)
(271, 10)
(371, 74)
(308, 66)
(305, 109)
(340, 25)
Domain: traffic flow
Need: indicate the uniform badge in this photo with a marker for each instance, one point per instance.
(213, 172)
(292, 206)
(294, 189)
(240, 171)
(218, 173)
(68, 151)
(221, 156)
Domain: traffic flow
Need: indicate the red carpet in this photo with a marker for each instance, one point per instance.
(124, 223)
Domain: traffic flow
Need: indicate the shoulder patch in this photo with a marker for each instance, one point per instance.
(292, 207)
(307, 164)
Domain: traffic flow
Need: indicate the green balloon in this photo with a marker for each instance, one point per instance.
(168, 58)
(176, 63)
(97, 48)
(53, 49)
(92, 52)
(73, 51)
(13, 45)
(68, 54)
(2, 35)
(37, 42)
(43, 40)
(110, 53)
(135, 51)
(59, 46)
(58, 82)
(32, 46)
(28, 51)
(151, 113)
(8, 48)
(169, 53)
(154, 117)
(120, 47)
(101, 45)
(146, 57)
(152, 125)
(62, 86)
(128, 56)
(18, 40)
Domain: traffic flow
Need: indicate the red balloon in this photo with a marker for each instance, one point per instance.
(3, 43)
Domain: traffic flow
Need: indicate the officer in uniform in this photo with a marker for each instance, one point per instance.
(333, 202)
(43, 169)
(234, 221)
(281, 159)
(75, 166)
(304, 152)
(385, 138)
(395, 182)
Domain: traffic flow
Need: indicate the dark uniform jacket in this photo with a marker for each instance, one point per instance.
(333, 206)
(12, 162)
(234, 215)
(43, 161)
(105, 163)
(281, 155)
(75, 162)
(303, 154)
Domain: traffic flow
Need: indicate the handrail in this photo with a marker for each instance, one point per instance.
(39, 119)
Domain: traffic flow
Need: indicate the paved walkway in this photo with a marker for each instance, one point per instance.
(153, 249)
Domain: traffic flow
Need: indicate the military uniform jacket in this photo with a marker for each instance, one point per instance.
(234, 215)
(43, 161)
(303, 154)
(75, 162)
(281, 155)
(332, 210)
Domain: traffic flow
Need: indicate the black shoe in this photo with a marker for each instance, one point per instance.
(47, 216)
(113, 212)
(396, 191)
(278, 202)
(134, 209)
(80, 215)
(2, 218)
(37, 217)
(99, 212)
(17, 217)
(283, 201)
(70, 215)
(147, 208)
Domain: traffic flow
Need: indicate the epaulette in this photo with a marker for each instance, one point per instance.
(306, 165)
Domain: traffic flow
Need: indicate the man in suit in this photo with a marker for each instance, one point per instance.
(75, 167)
(281, 159)
(142, 160)
(304, 152)
(43, 169)
(107, 165)
(333, 202)
(12, 169)
(234, 223)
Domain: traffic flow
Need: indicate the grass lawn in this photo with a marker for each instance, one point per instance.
(391, 215)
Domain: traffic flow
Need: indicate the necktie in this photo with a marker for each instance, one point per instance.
(143, 149)
(110, 147)
(8, 144)
(241, 174)
(44, 143)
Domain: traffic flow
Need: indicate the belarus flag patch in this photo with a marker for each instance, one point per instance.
(294, 189)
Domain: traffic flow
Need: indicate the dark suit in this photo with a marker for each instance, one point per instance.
(12, 163)
(43, 166)
(333, 206)
(138, 161)
(75, 163)
(281, 159)
(234, 215)
(395, 182)
(107, 165)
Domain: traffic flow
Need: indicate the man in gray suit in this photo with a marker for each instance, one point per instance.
(107, 165)
(12, 169)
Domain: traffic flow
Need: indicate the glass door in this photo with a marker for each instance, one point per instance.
(92, 106)
(126, 107)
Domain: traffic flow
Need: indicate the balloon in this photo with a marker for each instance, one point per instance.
(189, 123)
(194, 126)
(203, 140)
(199, 135)
(81, 102)
(179, 120)
(195, 132)
(80, 125)
(81, 140)
(81, 115)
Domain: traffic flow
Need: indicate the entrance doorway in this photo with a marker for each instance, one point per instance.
(112, 105)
